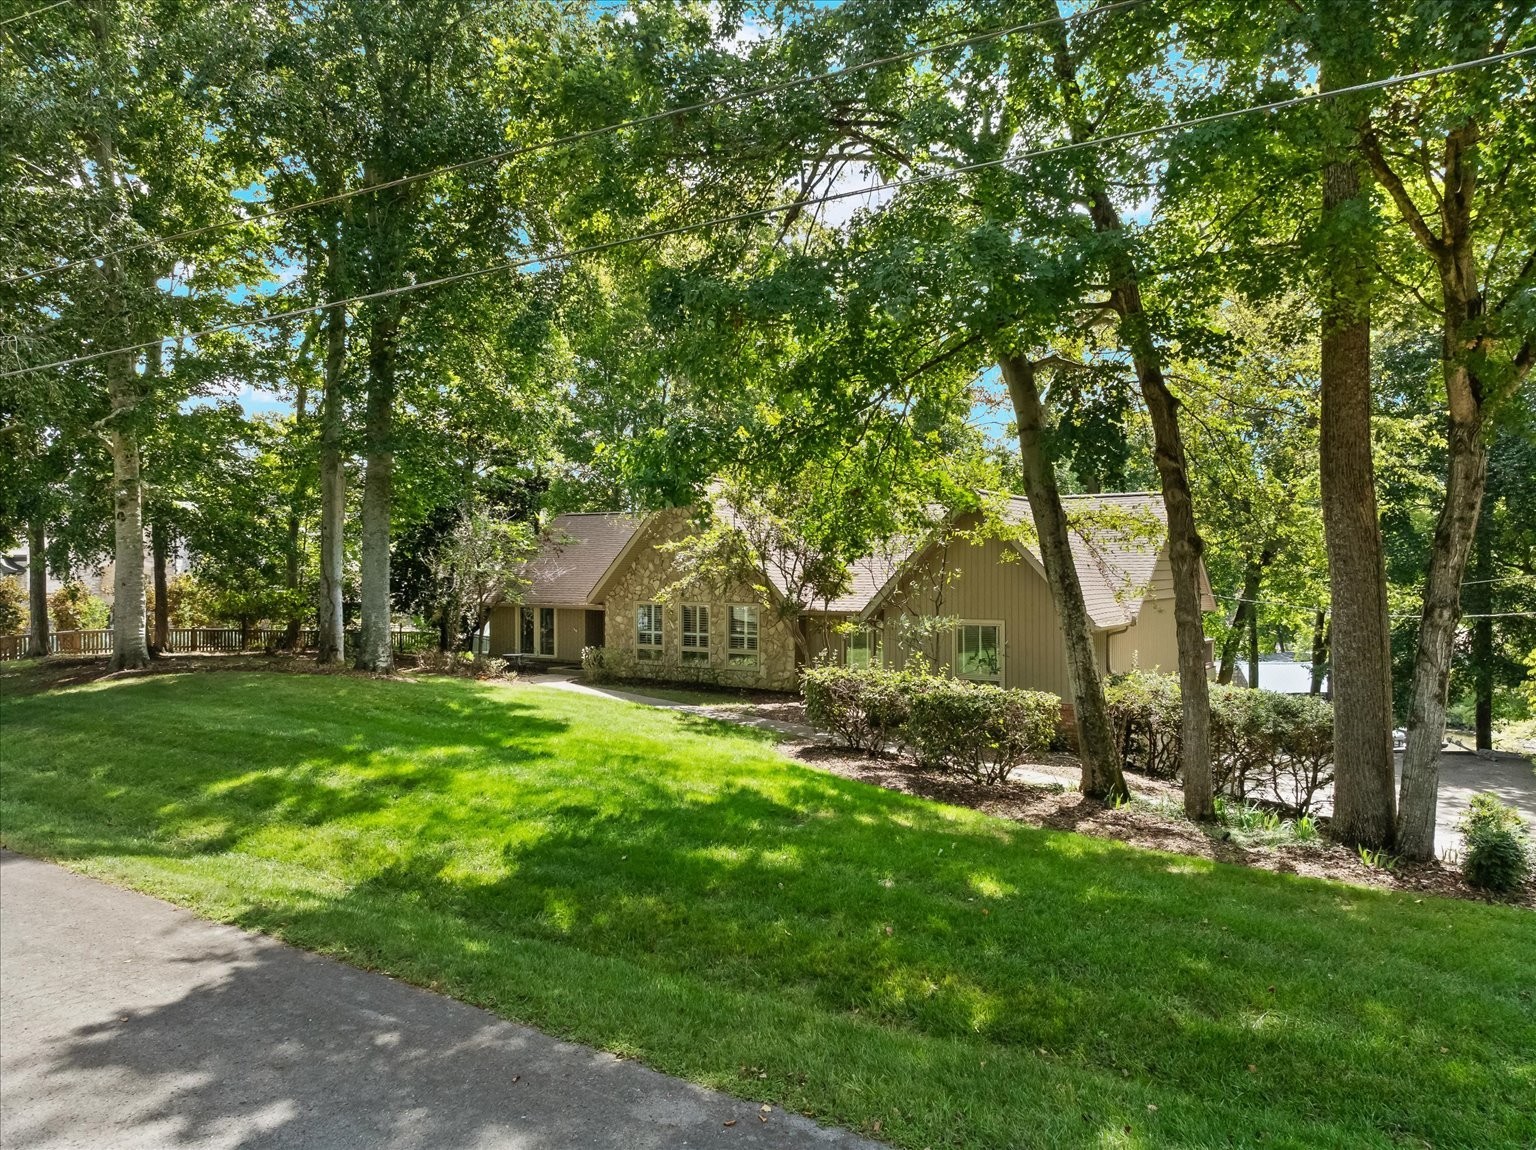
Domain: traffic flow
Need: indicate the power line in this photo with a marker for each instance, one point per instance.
(1325, 608)
(34, 12)
(572, 138)
(758, 213)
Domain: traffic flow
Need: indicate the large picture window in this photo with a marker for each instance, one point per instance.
(979, 652)
(648, 632)
(742, 646)
(546, 631)
(695, 633)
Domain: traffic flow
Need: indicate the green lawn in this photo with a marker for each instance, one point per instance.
(670, 888)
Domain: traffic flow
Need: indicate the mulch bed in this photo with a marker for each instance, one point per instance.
(1141, 825)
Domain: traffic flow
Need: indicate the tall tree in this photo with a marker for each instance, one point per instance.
(1455, 160)
(1364, 806)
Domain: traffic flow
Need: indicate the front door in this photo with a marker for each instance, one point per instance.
(595, 628)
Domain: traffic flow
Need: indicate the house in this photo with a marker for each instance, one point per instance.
(973, 603)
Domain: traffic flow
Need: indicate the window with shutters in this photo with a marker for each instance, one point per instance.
(695, 633)
(742, 645)
(979, 652)
(648, 632)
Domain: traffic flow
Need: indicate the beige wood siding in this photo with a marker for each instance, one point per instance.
(987, 581)
(504, 630)
(1151, 644)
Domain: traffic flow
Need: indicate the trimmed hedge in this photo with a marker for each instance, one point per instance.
(976, 730)
(1265, 746)
(860, 707)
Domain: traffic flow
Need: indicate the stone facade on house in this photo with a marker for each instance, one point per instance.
(649, 577)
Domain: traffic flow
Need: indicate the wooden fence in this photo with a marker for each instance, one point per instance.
(206, 639)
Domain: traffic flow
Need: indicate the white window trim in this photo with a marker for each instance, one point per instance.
(1002, 649)
(691, 653)
(738, 656)
(659, 628)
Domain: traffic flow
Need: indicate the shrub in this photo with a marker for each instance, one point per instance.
(1265, 746)
(606, 664)
(74, 608)
(1144, 717)
(860, 707)
(1497, 856)
(979, 731)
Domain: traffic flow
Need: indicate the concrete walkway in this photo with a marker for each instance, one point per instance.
(129, 1023)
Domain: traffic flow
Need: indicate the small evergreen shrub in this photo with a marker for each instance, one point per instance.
(1497, 855)
(978, 731)
(1144, 717)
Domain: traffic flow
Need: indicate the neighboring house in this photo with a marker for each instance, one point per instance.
(978, 608)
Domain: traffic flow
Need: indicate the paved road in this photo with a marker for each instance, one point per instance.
(127, 1023)
(1464, 773)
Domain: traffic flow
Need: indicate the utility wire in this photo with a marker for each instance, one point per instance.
(34, 12)
(1327, 609)
(758, 213)
(572, 138)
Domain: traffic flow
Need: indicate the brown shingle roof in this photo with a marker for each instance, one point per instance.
(580, 549)
(1117, 542)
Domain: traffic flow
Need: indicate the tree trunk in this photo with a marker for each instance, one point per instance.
(293, 557)
(159, 547)
(1102, 776)
(1363, 813)
(329, 621)
(1247, 607)
(1185, 546)
(1234, 640)
(1463, 344)
(1253, 648)
(374, 652)
(1481, 595)
(37, 589)
(1319, 652)
(129, 648)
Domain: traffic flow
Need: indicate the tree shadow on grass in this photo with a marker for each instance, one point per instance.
(710, 908)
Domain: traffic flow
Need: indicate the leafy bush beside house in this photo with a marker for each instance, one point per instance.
(1264, 745)
(860, 707)
(980, 731)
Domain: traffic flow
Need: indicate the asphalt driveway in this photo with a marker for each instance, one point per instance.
(129, 1023)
